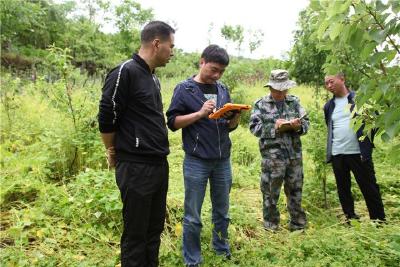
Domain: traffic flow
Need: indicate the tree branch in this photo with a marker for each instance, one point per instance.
(355, 67)
(391, 41)
(381, 65)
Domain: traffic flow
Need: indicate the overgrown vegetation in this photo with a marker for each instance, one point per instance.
(60, 205)
(360, 38)
(55, 213)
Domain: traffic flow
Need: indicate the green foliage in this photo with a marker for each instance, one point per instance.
(30, 27)
(360, 38)
(240, 71)
(234, 34)
(237, 35)
(245, 71)
(9, 101)
(255, 40)
(182, 65)
(305, 64)
(93, 46)
(67, 148)
(316, 149)
(95, 51)
(53, 216)
(32, 23)
(61, 207)
(129, 17)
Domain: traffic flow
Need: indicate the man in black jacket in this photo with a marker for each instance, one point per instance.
(133, 130)
(348, 152)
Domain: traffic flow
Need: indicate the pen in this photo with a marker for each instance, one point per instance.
(302, 117)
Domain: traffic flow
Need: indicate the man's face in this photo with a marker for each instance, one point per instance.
(210, 72)
(165, 50)
(278, 95)
(334, 84)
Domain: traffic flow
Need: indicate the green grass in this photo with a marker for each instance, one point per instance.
(56, 214)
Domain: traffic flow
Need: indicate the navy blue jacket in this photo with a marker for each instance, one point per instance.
(366, 145)
(206, 138)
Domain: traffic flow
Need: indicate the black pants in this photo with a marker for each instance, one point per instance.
(143, 190)
(364, 174)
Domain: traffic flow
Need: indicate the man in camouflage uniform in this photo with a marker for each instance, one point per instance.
(279, 120)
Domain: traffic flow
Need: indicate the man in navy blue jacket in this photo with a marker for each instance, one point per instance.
(348, 152)
(207, 151)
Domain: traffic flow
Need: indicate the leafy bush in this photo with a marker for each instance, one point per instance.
(242, 71)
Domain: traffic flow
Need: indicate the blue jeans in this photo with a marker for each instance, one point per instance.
(196, 173)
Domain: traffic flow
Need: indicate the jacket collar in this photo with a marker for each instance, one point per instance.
(192, 86)
(191, 83)
(141, 62)
(270, 99)
(351, 96)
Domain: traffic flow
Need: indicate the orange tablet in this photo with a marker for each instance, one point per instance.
(228, 107)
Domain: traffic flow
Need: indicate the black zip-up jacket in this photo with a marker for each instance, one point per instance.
(366, 145)
(131, 106)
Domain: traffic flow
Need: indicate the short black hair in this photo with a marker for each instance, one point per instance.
(214, 53)
(156, 29)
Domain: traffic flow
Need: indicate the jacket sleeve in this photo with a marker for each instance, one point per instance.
(256, 123)
(113, 99)
(326, 107)
(177, 107)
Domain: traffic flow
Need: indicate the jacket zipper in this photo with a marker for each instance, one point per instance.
(197, 142)
(216, 121)
(219, 141)
(156, 82)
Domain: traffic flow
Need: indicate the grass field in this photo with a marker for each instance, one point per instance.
(60, 205)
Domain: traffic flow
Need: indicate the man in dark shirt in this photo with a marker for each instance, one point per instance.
(133, 130)
(207, 151)
(349, 152)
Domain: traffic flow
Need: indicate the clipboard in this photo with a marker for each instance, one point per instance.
(228, 107)
(286, 125)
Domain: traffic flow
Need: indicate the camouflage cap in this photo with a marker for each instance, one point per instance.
(279, 80)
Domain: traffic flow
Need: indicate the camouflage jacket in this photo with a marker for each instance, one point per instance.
(262, 124)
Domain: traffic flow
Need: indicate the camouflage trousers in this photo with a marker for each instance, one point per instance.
(277, 168)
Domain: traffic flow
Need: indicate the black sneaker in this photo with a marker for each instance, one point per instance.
(379, 222)
(352, 217)
(268, 226)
